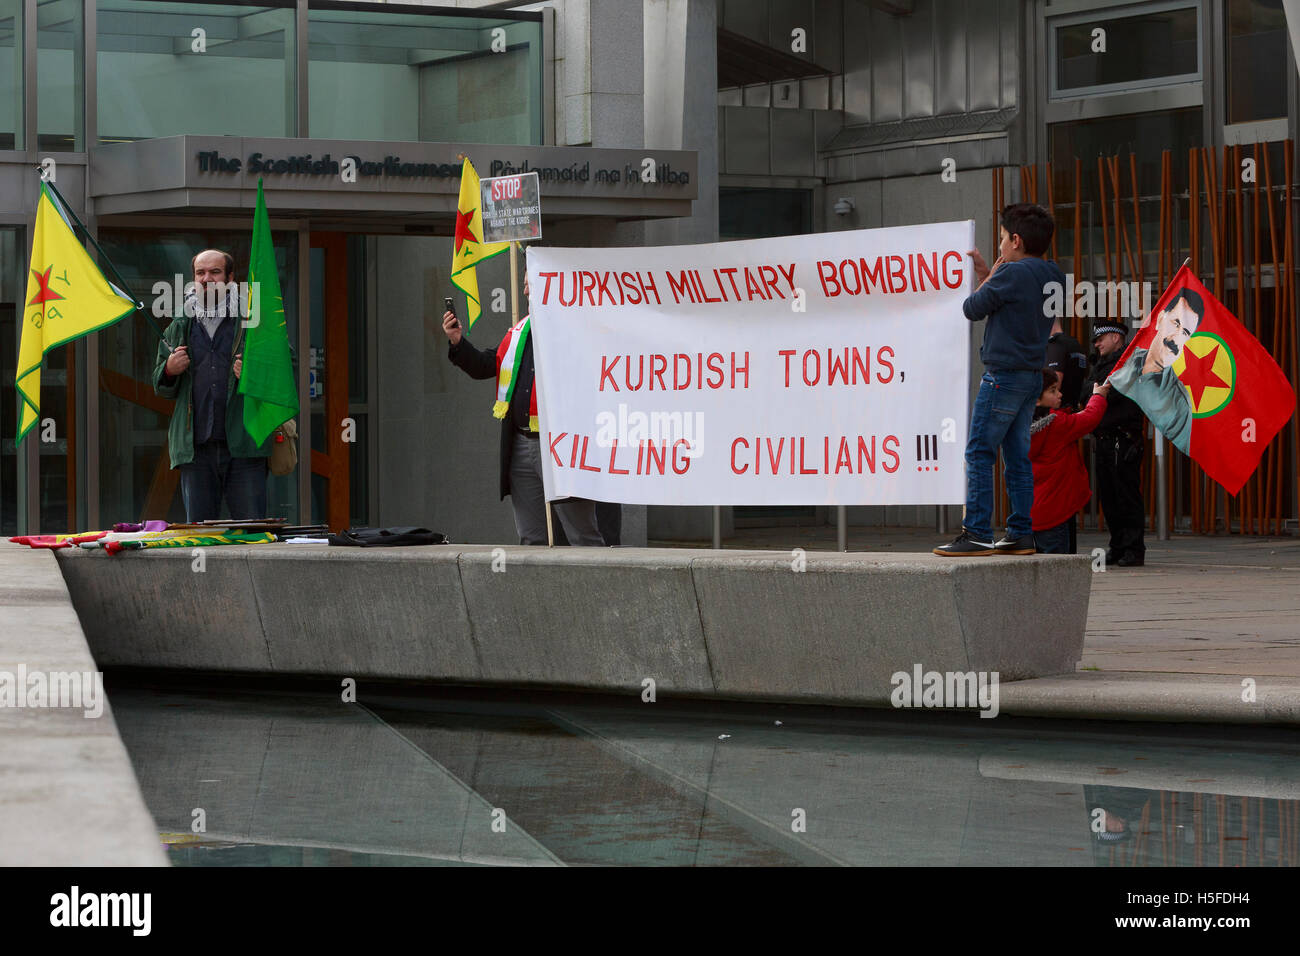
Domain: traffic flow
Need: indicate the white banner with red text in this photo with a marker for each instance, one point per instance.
(824, 369)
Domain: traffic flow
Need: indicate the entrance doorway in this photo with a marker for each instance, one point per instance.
(338, 381)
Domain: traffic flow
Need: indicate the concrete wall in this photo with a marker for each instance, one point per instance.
(734, 624)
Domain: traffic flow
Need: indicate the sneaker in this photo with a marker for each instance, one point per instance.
(1131, 560)
(1023, 545)
(964, 546)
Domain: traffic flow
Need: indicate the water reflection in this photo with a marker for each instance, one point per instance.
(299, 780)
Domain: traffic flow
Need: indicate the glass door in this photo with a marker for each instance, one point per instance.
(334, 429)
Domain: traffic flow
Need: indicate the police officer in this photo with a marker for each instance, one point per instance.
(1066, 355)
(1118, 441)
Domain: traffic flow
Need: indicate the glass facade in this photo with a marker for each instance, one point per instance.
(135, 474)
(1136, 50)
(12, 287)
(61, 76)
(1257, 62)
(11, 74)
(1143, 134)
(423, 76)
(760, 213)
(375, 72)
(166, 69)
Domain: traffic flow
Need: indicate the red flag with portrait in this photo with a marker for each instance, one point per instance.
(1205, 382)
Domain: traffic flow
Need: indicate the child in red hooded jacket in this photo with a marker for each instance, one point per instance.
(1060, 479)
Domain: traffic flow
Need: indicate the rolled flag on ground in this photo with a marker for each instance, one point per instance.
(1205, 382)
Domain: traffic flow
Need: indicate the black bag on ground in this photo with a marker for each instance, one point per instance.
(386, 537)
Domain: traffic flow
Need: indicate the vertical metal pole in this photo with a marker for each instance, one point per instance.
(88, 366)
(1092, 441)
(717, 527)
(941, 519)
(28, 46)
(304, 366)
(296, 58)
(26, 467)
(841, 528)
(1162, 492)
(1092, 470)
(514, 320)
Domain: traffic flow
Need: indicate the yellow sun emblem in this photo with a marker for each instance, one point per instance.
(1208, 371)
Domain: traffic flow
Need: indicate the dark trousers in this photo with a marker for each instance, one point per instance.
(214, 475)
(577, 516)
(1119, 493)
(1059, 540)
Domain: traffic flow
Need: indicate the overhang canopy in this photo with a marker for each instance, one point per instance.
(385, 186)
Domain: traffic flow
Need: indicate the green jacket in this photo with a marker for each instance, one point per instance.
(180, 435)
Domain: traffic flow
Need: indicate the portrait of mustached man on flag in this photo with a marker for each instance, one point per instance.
(1205, 382)
(469, 248)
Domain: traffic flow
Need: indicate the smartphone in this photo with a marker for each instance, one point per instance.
(450, 307)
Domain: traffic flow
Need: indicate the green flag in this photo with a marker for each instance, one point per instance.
(266, 380)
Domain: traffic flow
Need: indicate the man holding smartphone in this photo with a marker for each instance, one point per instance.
(511, 365)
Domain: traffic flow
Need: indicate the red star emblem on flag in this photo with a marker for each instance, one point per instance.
(1200, 375)
(44, 293)
(463, 232)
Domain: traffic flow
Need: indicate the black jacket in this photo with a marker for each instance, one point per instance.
(1067, 356)
(482, 363)
(1122, 414)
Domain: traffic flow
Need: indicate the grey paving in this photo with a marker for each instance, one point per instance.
(68, 794)
(1170, 641)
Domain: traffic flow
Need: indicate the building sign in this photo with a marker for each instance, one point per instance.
(388, 185)
(647, 172)
(821, 369)
(512, 208)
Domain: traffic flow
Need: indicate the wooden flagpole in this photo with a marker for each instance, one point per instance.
(514, 320)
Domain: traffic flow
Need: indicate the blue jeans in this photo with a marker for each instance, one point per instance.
(1003, 410)
(213, 475)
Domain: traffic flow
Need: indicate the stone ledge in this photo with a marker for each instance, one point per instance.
(737, 624)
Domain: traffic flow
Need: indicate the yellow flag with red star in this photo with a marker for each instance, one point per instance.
(67, 297)
(469, 248)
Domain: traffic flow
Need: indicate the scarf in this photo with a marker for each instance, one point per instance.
(212, 318)
(510, 355)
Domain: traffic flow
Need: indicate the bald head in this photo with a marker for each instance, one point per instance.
(213, 265)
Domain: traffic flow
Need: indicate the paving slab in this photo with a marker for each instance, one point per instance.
(1170, 641)
(68, 794)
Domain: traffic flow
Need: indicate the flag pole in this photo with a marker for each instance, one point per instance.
(102, 255)
(514, 320)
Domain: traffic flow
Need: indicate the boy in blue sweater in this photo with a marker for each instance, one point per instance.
(1011, 296)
